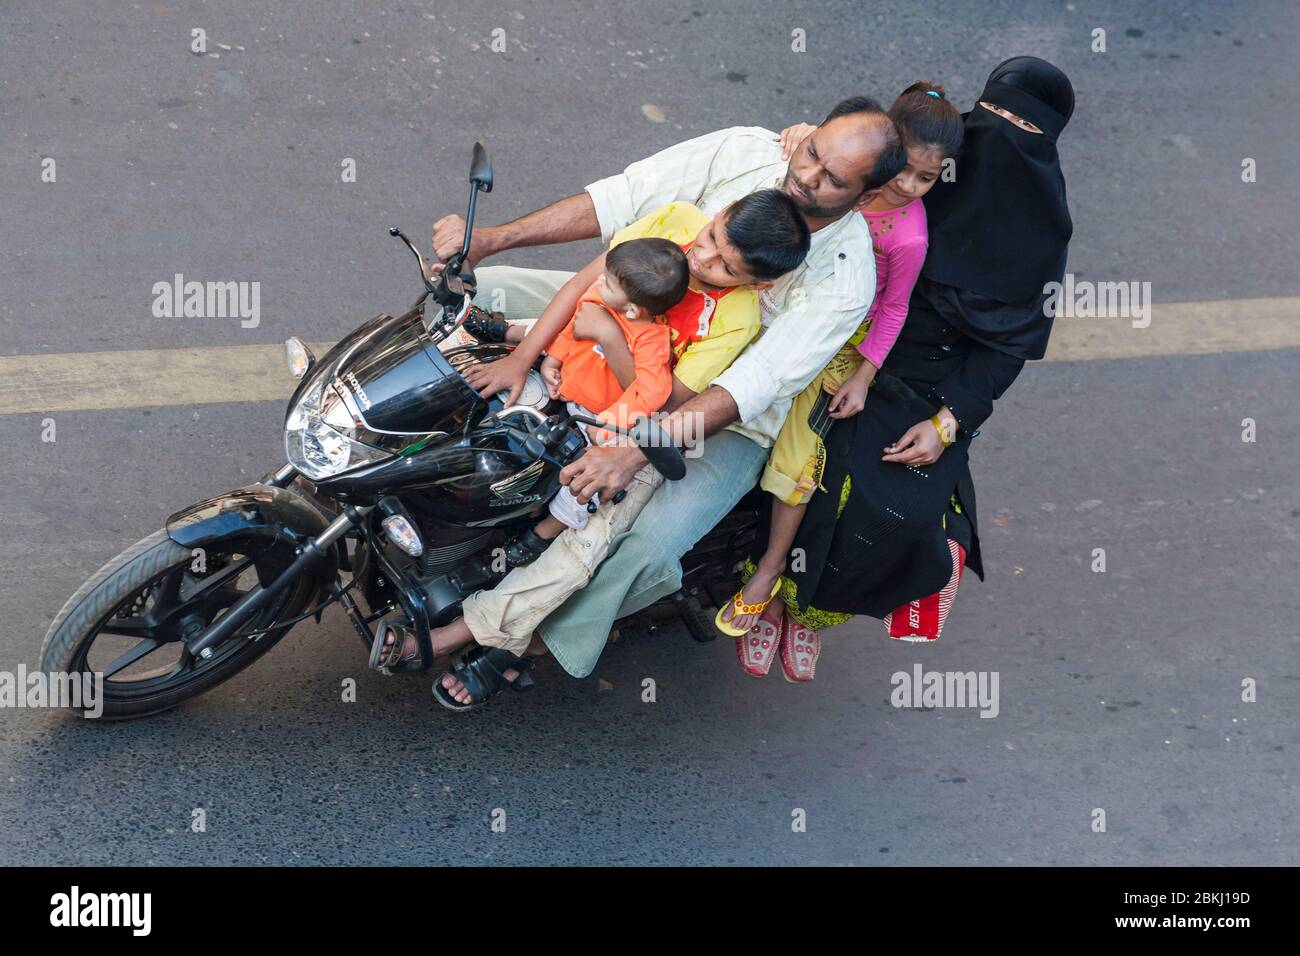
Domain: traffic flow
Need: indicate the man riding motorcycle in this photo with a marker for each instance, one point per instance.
(806, 316)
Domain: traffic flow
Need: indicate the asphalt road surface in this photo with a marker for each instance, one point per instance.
(1120, 691)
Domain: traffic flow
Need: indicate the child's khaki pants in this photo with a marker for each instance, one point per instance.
(508, 614)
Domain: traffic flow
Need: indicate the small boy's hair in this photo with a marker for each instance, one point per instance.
(652, 272)
(770, 233)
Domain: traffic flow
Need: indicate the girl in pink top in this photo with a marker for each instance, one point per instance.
(931, 131)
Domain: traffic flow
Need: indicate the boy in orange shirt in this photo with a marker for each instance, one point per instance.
(643, 279)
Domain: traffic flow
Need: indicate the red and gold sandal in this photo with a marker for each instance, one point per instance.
(800, 647)
(757, 647)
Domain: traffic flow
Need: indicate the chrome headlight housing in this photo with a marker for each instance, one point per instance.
(320, 434)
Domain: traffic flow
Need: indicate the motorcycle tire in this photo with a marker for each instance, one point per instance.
(67, 644)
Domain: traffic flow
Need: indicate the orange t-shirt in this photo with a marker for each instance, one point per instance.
(587, 379)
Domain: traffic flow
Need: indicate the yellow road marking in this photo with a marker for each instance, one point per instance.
(1182, 328)
(81, 381)
(138, 378)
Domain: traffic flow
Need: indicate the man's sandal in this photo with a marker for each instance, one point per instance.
(739, 607)
(482, 671)
(390, 659)
(800, 647)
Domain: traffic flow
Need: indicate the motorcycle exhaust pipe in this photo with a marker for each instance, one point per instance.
(250, 604)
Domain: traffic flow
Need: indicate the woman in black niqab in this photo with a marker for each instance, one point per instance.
(999, 231)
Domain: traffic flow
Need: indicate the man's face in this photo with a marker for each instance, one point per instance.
(713, 260)
(827, 171)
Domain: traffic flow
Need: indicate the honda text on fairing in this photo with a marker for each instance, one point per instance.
(401, 481)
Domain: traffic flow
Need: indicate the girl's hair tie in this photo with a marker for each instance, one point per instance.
(935, 93)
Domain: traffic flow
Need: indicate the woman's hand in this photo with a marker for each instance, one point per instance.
(505, 374)
(792, 136)
(921, 444)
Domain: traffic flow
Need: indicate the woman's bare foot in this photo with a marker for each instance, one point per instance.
(756, 590)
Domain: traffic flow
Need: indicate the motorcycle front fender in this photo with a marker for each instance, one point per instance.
(284, 519)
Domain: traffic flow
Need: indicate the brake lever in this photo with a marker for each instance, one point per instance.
(426, 273)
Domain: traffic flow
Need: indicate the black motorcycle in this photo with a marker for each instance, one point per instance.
(400, 477)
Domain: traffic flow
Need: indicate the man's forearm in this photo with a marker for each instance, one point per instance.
(568, 220)
(713, 410)
(708, 413)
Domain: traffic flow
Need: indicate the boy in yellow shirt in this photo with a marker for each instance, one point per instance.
(731, 258)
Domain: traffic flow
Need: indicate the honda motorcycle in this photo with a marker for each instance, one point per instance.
(400, 481)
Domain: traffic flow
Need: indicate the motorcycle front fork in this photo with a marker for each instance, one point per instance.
(408, 601)
(308, 555)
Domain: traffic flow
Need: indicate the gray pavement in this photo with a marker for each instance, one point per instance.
(1119, 690)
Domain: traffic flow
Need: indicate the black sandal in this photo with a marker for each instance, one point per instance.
(525, 549)
(487, 327)
(482, 671)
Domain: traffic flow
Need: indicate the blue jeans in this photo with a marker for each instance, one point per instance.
(644, 562)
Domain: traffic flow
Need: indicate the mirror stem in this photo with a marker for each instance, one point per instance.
(469, 226)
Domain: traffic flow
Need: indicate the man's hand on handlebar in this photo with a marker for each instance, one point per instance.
(505, 374)
(449, 238)
(602, 470)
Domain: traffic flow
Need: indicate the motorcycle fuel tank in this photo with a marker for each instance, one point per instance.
(447, 465)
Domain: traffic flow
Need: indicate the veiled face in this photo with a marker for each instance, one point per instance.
(1011, 118)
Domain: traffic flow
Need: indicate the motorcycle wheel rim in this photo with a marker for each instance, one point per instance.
(229, 564)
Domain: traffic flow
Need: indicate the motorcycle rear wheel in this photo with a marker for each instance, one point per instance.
(140, 598)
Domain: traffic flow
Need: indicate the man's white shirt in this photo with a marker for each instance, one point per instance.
(807, 315)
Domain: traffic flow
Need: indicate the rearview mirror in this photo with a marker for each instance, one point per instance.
(653, 441)
(480, 169)
(659, 449)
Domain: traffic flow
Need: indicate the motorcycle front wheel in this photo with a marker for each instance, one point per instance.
(129, 622)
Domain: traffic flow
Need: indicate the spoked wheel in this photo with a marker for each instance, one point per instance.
(130, 621)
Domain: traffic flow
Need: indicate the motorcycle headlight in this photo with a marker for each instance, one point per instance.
(320, 435)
